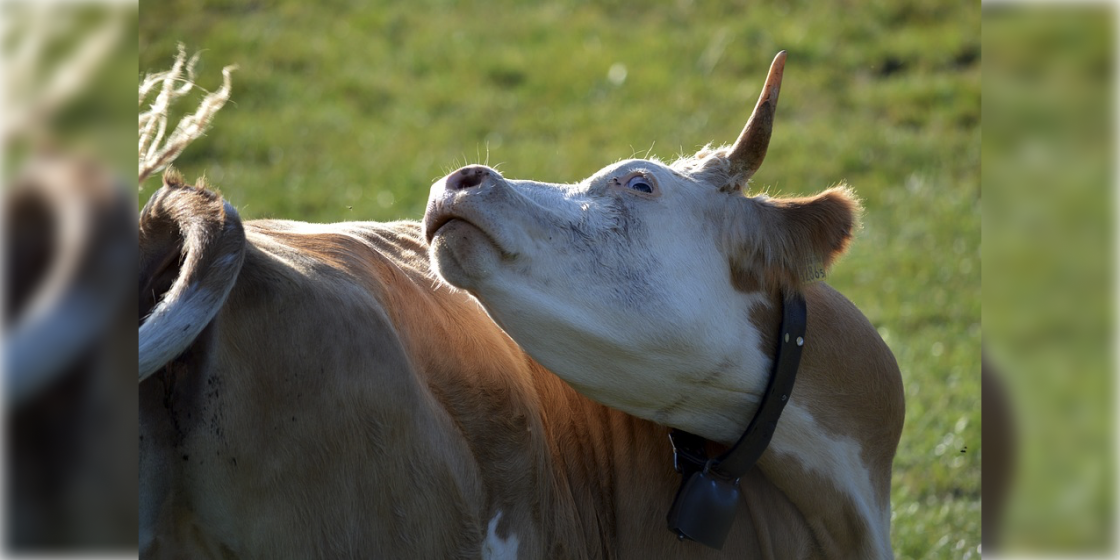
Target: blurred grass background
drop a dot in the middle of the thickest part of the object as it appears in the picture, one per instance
(1049, 154)
(95, 119)
(68, 419)
(349, 111)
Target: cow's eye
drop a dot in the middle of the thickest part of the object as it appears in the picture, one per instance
(640, 184)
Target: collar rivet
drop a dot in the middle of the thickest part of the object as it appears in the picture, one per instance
(800, 341)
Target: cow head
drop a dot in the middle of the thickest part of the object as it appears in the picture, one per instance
(637, 284)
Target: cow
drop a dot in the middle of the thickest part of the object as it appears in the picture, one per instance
(357, 390)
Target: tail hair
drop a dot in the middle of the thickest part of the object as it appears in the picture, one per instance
(192, 246)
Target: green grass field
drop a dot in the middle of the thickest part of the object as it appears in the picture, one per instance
(347, 111)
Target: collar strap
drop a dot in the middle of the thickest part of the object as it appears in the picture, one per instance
(705, 506)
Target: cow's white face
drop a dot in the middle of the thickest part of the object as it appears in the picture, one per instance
(637, 284)
(622, 292)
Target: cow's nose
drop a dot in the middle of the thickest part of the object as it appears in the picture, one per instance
(467, 177)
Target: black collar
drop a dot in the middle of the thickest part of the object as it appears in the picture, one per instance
(704, 508)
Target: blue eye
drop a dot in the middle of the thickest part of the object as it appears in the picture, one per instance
(640, 184)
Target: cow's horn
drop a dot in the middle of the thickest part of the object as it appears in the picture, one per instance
(749, 150)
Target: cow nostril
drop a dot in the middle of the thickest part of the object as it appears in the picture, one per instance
(467, 177)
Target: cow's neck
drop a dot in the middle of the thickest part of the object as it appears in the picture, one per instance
(815, 457)
(581, 451)
(580, 455)
(818, 456)
(614, 482)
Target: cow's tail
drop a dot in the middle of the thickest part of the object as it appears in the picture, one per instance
(192, 247)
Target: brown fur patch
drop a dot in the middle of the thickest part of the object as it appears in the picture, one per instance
(825, 221)
(777, 239)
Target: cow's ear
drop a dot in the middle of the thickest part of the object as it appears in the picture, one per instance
(783, 243)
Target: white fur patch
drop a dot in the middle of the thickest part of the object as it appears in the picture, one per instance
(837, 460)
(495, 547)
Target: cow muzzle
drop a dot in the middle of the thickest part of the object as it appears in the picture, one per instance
(447, 200)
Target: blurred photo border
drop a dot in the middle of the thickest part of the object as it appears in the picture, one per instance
(8, 114)
(1114, 350)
